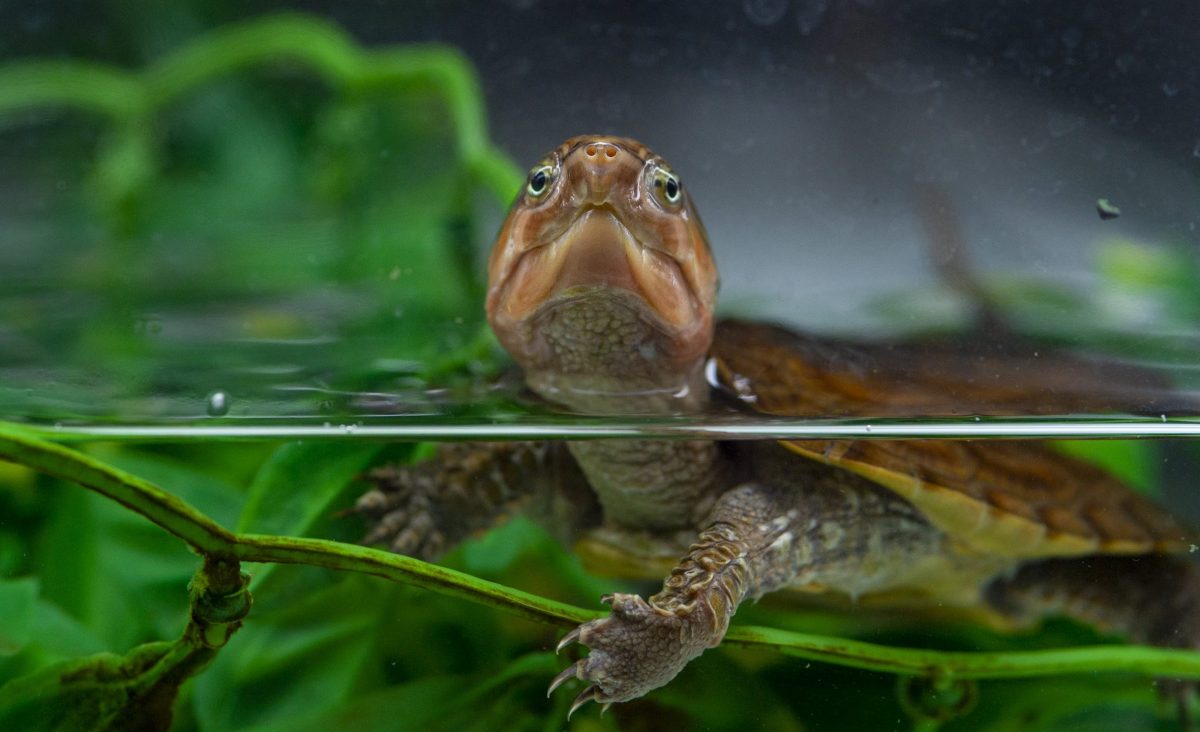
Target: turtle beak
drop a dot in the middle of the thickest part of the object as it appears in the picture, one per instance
(598, 253)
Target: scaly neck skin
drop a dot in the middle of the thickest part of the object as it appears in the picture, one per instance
(599, 355)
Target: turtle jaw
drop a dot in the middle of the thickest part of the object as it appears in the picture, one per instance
(596, 302)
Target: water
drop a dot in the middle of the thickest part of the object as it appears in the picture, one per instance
(266, 283)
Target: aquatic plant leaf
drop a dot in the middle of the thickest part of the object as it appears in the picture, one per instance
(450, 702)
(35, 633)
(306, 654)
(120, 575)
(298, 489)
(1134, 462)
(17, 601)
(421, 704)
(299, 485)
(1064, 704)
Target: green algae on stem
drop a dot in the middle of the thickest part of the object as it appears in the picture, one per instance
(136, 691)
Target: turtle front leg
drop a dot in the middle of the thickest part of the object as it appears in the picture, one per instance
(758, 538)
(643, 644)
(427, 508)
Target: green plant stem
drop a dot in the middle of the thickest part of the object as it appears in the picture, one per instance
(1163, 662)
(210, 539)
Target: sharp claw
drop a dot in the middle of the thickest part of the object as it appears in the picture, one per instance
(567, 640)
(563, 676)
(604, 708)
(606, 599)
(585, 696)
(406, 542)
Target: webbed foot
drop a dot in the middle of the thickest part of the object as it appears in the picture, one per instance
(406, 518)
(425, 509)
(636, 648)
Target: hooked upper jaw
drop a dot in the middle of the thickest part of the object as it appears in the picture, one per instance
(598, 252)
(596, 244)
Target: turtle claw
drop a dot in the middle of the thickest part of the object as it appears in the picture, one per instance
(567, 640)
(570, 672)
(636, 648)
(585, 696)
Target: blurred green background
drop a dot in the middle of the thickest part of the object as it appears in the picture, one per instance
(282, 215)
(276, 215)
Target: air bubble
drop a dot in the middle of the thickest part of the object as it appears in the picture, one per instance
(1107, 209)
(148, 324)
(218, 404)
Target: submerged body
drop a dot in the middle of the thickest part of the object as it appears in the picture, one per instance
(602, 288)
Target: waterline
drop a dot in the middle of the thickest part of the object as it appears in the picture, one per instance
(1075, 428)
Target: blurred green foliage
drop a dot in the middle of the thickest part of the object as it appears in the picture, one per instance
(287, 180)
(270, 203)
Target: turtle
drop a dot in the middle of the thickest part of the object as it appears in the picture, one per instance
(602, 288)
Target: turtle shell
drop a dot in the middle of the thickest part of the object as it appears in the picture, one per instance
(1015, 498)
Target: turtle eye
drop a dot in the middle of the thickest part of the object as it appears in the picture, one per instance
(539, 181)
(668, 187)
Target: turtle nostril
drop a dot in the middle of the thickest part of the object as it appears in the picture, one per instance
(598, 151)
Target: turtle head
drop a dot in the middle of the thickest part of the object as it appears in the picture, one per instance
(601, 279)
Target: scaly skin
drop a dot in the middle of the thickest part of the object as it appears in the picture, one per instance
(424, 510)
(602, 287)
